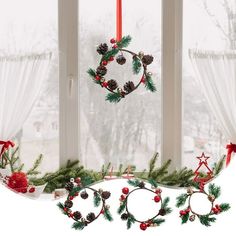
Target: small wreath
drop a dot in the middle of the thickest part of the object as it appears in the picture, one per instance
(116, 93)
(99, 197)
(126, 215)
(188, 214)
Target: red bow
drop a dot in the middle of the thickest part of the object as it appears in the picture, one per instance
(5, 146)
(231, 148)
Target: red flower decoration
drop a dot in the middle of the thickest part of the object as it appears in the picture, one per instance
(18, 181)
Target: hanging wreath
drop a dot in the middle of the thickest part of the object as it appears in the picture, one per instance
(127, 216)
(188, 214)
(76, 189)
(140, 62)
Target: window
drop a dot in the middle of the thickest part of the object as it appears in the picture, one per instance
(28, 27)
(204, 25)
(127, 132)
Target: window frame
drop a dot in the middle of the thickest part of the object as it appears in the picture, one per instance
(69, 123)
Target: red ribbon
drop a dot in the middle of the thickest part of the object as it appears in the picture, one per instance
(5, 146)
(231, 148)
(118, 20)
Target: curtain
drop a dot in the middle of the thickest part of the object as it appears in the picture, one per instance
(21, 79)
(216, 73)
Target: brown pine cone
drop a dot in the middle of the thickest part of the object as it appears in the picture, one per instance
(84, 195)
(162, 212)
(121, 60)
(101, 70)
(147, 59)
(129, 87)
(102, 48)
(91, 217)
(106, 194)
(77, 215)
(68, 204)
(69, 186)
(141, 185)
(112, 84)
(124, 216)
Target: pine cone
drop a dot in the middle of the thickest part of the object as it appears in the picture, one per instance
(106, 194)
(147, 59)
(141, 185)
(129, 87)
(91, 217)
(101, 70)
(84, 195)
(112, 84)
(124, 216)
(77, 215)
(68, 204)
(121, 60)
(69, 186)
(162, 212)
(102, 48)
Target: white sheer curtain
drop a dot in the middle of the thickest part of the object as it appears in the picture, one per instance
(21, 78)
(216, 73)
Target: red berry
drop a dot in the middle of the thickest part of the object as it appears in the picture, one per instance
(143, 226)
(143, 80)
(182, 213)
(24, 190)
(76, 194)
(32, 190)
(97, 78)
(125, 191)
(104, 84)
(158, 191)
(65, 209)
(71, 198)
(104, 63)
(102, 211)
(78, 180)
(122, 197)
(157, 198)
(188, 210)
(113, 40)
(111, 59)
(114, 46)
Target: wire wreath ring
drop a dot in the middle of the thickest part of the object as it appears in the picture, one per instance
(126, 215)
(99, 197)
(187, 214)
(116, 92)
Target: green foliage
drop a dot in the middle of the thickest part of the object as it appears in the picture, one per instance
(181, 200)
(78, 225)
(105, 169)
(134, 183)
(149, 84)
(37, 163)
(96, 199)
(206, 220)
(120, 172)
(130, 221)
(61, 207)
(219, 166)
(113, 97)
(122, 207)
(158, 221)
(158, 173)
(137, 65)
(92, 74)
(185, 218)
(152, 164)
(153, 183)
(224, 207)
(214, 190)
(125, 41)
(164, 205)
(107, 214)
(109, 54)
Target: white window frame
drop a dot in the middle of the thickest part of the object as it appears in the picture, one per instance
(171, 141)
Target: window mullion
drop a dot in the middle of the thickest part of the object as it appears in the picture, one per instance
(68, 80)
(172, 29)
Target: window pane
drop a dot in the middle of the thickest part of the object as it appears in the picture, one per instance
(27, 27)
(127, 132)
(204, 25)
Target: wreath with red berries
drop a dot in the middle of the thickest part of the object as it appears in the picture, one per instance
(127, 216)
(75, 189)
(140, 61)
(188, 214)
